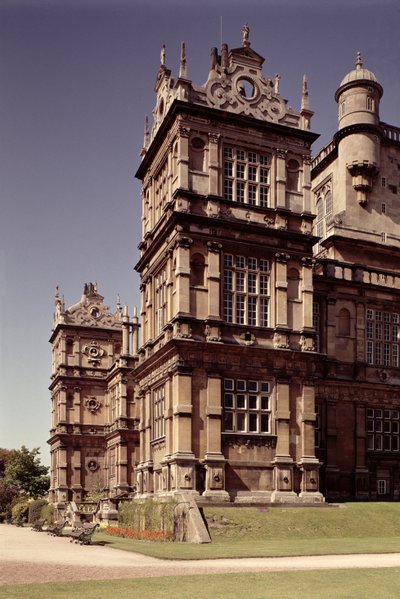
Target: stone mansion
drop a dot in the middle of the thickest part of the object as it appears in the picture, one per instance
(264, 363)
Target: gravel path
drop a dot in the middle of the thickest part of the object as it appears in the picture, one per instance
(28, 556)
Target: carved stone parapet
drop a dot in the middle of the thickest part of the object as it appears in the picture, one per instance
(280, 340)
(249, 441)
(306, 344)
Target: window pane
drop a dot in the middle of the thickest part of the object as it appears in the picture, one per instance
(264, 423)
(253, 423)
(252, 402)
(240, 421)
(240, 402)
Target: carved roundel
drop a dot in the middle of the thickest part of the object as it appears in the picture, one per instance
(93, 465)
(92, 404)
(94, 353)
(246, 88)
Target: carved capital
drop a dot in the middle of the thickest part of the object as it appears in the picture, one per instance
(214, 247)
(214, 137)
(282, 258)
(184, 242)
(183, 131)
(281, 153)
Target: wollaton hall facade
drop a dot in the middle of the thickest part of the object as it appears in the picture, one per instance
(267, 364)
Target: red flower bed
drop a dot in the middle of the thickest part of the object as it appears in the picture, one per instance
(148, 535)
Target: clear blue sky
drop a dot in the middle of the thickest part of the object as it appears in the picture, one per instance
(76, 81)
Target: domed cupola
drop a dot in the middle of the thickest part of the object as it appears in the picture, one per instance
(359, 133)
(358, 97)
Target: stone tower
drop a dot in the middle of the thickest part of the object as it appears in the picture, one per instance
(225, 378)
(355, 182)
(93, 436)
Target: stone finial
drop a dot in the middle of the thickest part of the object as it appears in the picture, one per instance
(276, 83)
(245, 32)
(162, 56)
(146, 138)
(304, 94)
(359, 63)
(183, 65)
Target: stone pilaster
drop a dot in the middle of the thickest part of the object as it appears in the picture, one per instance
(214, 460)
(283, 462)
(281, 178)
(281, 311)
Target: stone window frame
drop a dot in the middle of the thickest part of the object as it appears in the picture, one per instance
(247, 406)
(383, 430)
(382, 329)
(246, 290)
(246, 175)
(157, 413)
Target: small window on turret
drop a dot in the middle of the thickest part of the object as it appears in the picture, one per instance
(370, 103)
(383, 181)
(383, 208)
(393, 188)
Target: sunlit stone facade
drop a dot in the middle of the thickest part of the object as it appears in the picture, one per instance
(268, 363)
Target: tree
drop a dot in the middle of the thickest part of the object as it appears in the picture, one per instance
(5, 455)
(8, 494)
(23, 468)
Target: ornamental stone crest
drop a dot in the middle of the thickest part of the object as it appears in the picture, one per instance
(93, 352)
(238, 90)
(92, 404)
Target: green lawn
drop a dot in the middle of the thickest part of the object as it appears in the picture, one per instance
(253, 532)
(329, 584)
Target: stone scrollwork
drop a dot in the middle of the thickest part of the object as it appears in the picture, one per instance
(239, 91)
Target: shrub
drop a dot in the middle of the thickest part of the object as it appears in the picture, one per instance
(35, 510)
(20, 512)
(47, 512)
(147, 515)
(148, 535)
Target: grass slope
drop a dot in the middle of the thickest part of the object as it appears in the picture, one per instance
(329, 584)
(254, 532)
